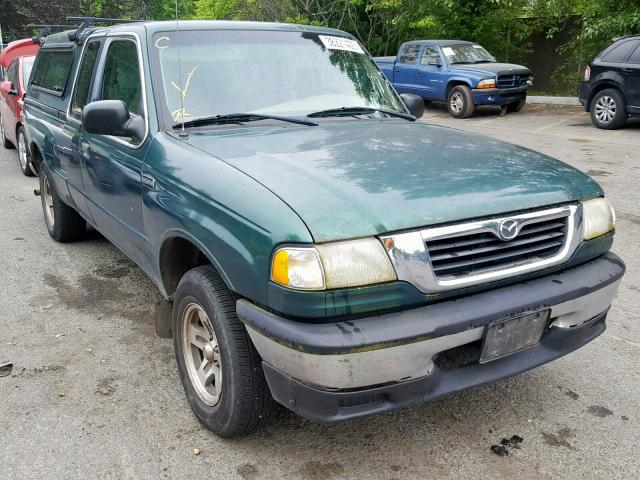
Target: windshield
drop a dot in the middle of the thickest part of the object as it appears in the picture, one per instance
(264, 72)
(466, 53)
(27, 66)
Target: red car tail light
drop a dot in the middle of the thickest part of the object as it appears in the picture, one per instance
(587, 73)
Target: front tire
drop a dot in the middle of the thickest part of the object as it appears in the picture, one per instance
(608, 109)
(23, 154)
(63, 222)
(517, 106)
(220, 369)
(460, 102)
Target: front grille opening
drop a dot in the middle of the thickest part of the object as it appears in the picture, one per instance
(474, 253)
(458, 357)
(507, 81)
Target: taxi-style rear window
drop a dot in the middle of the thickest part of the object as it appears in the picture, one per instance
(51, 70)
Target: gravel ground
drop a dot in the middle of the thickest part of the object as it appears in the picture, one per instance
(95, 394)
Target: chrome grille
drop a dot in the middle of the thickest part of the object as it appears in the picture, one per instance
(507, 81)
(476, 252)
(468, 254)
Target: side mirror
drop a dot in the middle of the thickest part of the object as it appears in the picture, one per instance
(435, 61)
(414, 103)
(111, 117)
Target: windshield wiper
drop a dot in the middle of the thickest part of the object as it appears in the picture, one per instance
(239, 118)
(347, 111)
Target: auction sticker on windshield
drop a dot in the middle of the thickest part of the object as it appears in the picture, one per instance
(341, 43)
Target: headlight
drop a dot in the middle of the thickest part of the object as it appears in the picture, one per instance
(487, 83)
(598, 217)
(344, 264)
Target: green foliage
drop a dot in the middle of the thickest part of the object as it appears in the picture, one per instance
(505, 27)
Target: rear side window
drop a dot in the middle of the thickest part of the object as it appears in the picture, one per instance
(620, 52)
(410, 54)
(83, 81)
(52, 70)
(122, 75)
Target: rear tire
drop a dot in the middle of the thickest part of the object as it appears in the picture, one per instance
(5, 143)
(220, 369)
(517, 106)
(608, 109)
(460, 102)
(63, 222)
(24, 158)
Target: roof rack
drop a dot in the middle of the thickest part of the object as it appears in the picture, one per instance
(89, 21)
(46, 29)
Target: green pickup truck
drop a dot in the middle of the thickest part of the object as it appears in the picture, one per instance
(321, 248)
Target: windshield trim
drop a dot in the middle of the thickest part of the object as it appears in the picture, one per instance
(166, 123)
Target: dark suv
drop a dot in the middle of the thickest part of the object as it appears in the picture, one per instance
(611, 87)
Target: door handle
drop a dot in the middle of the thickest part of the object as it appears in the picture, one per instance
(627, 70)
(148, 181)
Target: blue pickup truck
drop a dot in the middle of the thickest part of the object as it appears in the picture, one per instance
(461, 73)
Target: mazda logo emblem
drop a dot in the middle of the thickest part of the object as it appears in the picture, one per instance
(509, 229)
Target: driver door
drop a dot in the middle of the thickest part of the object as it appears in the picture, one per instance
(431, 74)
(112, 166)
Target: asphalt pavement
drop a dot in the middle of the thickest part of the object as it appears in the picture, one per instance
(95, 394)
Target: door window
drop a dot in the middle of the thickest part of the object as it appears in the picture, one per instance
(83, 81)
(12, 74)
(27, 65)
(410, 54)
(430, 54)
(635, 56)
(122, 76)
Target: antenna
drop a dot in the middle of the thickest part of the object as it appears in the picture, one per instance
(182, 132)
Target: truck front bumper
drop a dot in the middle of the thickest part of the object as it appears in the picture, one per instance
(498, 96)
(335, 371)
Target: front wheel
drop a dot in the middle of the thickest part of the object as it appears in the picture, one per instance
(220, 369)
(63, 222)
(23, 154)
(517, 106)
(460, 102)
(608, 109)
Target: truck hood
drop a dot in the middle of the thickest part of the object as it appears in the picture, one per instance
(492, 68)
(358, 178)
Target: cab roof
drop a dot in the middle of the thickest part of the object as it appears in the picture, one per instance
(441, 43)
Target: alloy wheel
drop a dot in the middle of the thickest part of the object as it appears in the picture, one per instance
(22, 152)
(202, 354)
(605, 109)
(457, 102)
(47, 203)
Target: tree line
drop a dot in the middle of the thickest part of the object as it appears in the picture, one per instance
(507, 28)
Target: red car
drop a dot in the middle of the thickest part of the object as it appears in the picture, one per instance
(16, 61)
